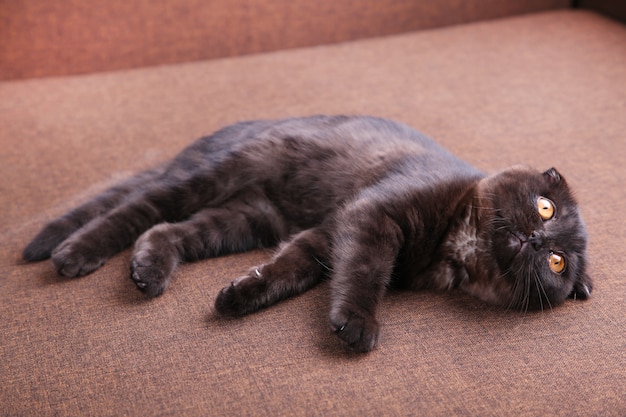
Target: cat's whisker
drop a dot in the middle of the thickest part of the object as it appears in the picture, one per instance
(480, 207)
(526, 291)
(543, 291)
(515, 298)
(539, 294)
(519, 292)
(322, 264)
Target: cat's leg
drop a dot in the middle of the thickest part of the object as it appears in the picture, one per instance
(91, 246)
(297, 266)
(60, 229)
(365, 247)
(241, 225)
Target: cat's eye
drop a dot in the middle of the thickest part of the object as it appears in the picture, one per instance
(556, 262)
(546, 208)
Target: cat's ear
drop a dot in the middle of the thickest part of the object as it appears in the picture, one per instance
(582, 287)
(552, 176)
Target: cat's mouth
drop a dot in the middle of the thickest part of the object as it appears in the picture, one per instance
(517, 242)
(509, 246)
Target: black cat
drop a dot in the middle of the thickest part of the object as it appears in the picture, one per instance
(367, 202)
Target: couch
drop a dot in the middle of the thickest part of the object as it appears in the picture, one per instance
(91, 92)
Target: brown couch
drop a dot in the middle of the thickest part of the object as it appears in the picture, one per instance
(92, 91)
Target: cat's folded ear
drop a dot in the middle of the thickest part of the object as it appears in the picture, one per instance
(552, 176)
(582, 288)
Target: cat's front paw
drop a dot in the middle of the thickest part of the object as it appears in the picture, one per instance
(73, 259)
(243, 296)
(358, 331)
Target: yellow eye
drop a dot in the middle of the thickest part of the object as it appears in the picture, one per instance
(545, 208)
(556, 262)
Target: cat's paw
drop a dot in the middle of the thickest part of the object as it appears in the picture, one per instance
(73, 259)
(47, 240)
(358, 331)
(151, 272)
(243, 296)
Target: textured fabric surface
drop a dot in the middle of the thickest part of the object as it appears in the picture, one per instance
(58, 37)
(546, 89)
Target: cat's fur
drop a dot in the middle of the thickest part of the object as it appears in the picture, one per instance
(367, 202)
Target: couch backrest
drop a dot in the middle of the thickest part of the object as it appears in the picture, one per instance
(612, 8)
(60, 37)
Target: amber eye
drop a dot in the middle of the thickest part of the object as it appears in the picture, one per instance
(545, 208)
(556, 262)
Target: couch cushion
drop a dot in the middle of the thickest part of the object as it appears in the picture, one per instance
(544, 89)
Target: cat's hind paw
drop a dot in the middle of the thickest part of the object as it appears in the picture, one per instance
(151, 273)
(243, 296)
(42, 245)
(358, 332)
(37, 250)
(72, 260)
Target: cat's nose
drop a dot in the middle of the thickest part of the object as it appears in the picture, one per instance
(536, 240)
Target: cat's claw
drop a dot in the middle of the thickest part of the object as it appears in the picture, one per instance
(139, 284)
(358, 332)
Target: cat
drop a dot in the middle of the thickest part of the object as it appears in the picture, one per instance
(368, 203)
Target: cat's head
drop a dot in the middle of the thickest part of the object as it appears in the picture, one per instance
(537, 238)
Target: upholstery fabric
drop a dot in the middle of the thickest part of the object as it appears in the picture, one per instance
(545, 89)
(59, 37)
